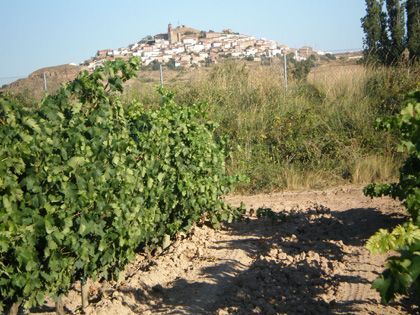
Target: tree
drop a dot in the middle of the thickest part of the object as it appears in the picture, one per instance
(395, 45)
(384, 41)
(171, 64)
(146, 39)
(330, 56)
(372, 25)
(386, 33)
(413, 28)
(155, 65)
(301, 69)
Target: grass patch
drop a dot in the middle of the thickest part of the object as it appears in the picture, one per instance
(318, 133)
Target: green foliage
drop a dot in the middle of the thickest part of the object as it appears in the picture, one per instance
(396, 29)
(154, 66)
(146, 39)
(202, 34)
(399, 238)
(171, 64)
(301, 69)
(330, 56)
(385, 31)
(413, 28)
(86, 180)
(265, 60)
(313, 135)
(402, 271)
(271, 215)
(372, 27)
(387, 89)
(178, 146)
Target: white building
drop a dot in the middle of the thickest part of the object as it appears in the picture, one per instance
(227, 45)
(189, 41)
(153, 53)
(178, 50)
(195, 48)
(276, 52)
(250, 52)
(166, 58)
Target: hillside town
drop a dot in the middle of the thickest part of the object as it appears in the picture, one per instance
(184, 46)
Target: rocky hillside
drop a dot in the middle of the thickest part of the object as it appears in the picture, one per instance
(33, 85)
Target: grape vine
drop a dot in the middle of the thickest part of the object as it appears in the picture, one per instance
(86, 180)
(402, 272)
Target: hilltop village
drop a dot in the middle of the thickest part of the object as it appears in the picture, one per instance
(184, 46)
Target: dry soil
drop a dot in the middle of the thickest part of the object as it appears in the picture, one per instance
(312, 260)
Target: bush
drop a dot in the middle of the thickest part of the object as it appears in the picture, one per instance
(330, 56)
(387, 87)
(301, 69)
(171, 64)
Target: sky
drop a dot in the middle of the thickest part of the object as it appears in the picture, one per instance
(41, 33)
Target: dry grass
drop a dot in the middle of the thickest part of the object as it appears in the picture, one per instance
(316, 134)
(307, 179)
(374, 168)
(337, 80)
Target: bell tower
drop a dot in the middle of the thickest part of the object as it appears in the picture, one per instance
(170, 34)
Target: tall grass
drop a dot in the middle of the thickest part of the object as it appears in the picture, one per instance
(318, 133)
(339, 80)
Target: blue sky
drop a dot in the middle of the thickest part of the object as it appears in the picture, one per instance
(41, 33)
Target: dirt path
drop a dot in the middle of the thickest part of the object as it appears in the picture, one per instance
(313, 262)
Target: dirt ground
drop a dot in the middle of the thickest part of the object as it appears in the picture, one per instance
(311, 261)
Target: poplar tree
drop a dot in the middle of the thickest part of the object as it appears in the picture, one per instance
(396, 27)
(413, 28)
(384, 42)
(372, 27)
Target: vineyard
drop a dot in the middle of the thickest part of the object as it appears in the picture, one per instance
(96, 185)
(86, 181)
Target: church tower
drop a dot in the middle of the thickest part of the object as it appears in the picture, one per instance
(170, 34)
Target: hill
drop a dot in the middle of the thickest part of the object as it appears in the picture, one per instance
(180, 47)
(33, 85)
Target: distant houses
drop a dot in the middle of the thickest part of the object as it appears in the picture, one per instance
(189, 47)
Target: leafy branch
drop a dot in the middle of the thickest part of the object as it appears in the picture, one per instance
(402, 271)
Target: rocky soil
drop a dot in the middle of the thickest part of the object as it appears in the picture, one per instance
(306, 258)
